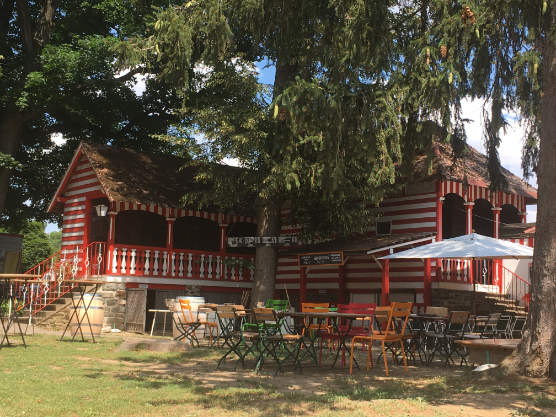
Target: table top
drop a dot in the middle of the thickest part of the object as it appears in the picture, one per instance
(155, 310)
(503, 344)
(20, 277)
(328, 315)
(427, 317)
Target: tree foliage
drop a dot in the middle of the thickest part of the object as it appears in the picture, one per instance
(58, 77)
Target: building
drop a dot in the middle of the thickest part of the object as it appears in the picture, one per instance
(123, 219)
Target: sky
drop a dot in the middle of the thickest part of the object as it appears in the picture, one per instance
(509, 151)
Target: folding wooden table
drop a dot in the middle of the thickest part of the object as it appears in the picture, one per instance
(9, 296)
(81, 286)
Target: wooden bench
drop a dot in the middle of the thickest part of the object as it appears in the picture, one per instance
(482, 351)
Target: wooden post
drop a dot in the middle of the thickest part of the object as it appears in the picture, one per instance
(223, 237)
(341, 285)
(302, 285)
(439, 200)
(469, 217)
(385, 284)
(170, 234)
(111, 240)
(427, 283)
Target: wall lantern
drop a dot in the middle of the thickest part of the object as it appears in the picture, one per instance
(101, 210)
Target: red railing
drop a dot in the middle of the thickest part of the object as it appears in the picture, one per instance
(134, 260)
(468, 271)
(53, 274)
(516, 288)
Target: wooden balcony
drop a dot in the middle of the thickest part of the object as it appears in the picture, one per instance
(145, 261)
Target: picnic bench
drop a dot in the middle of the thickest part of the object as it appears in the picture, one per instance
(482, 351)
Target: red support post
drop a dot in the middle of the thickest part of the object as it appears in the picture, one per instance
(385, 284)
(302, 285)
(111, 239)
(86, 228)
(439, 200)
(523, 217)
(170, 234)
(427, 283)
(223, 237)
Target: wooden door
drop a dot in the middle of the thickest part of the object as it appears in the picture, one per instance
(135, 310)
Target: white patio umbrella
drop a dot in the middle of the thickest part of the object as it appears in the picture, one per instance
(471, 246)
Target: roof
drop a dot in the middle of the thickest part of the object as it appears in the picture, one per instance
(362, 245)
(517, 230)
(132, 176)
(471, 168)
(471, 246)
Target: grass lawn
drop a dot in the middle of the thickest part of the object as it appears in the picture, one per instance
(52, 378)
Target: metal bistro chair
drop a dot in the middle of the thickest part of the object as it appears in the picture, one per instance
(444, 342)
(239, 342)
(188, 326)
(391, 324)
(518, 327)
(280, 346)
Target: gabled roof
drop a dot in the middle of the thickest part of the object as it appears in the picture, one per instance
(131, 176)
(470, 169)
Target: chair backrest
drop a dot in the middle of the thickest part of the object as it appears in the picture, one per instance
(397, 316)
(357, 308)
(315, 307)
(278, 305)
(437, 311)
(186, 311)
(457, 322)
(264, 314)
(225, 312)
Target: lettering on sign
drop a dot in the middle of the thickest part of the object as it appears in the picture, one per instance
(321, 258)
(252, 241)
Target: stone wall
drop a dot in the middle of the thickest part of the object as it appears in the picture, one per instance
(463, 301)
(114, 296)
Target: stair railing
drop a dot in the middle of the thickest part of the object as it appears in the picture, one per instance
(516, 288)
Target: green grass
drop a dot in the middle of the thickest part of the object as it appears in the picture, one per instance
(52, 378)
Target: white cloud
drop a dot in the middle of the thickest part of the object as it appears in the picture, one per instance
(511, 144)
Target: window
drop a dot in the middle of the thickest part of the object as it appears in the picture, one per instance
(383, 227)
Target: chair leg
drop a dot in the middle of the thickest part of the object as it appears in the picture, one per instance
(385, 360)
(403, 356)
(351, 356)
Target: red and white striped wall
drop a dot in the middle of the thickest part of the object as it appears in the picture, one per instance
(165, 211)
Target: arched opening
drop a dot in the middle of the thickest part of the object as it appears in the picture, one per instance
(140, 228)
(197, 234)
(509, 214)
(483, 218)
(241, 229)
(453, 216)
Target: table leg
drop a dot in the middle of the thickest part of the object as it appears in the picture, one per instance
(164, 328)
(152, 325)
(86, 312)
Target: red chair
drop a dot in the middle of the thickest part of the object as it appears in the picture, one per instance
(347, 330)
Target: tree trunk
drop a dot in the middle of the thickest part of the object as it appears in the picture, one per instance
(537, 351)
(268, 224)
(11, 135)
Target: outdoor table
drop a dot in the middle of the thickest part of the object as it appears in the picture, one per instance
(156, 311)
(8, 295)
(81, 285)
(334, 317)
(483, 351)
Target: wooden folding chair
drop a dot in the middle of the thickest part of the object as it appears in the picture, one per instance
(187, 325)
(390, 322)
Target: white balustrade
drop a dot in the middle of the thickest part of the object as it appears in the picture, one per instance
(115, 261)
(132, 263)
(202, 267)
(173, 263)
(124, 263)
(164, 263)
(180, 269)
(147, 259)
(209, 275)
(218, 267)
(155, 264)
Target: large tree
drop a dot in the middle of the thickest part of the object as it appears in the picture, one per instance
(326, 138)
(57, 75)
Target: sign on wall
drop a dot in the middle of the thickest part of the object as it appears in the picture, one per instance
(321, 258)
(252, 241)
